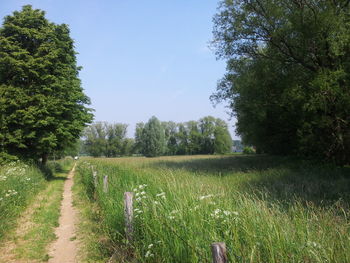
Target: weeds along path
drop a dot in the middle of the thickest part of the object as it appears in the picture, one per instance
(64, 249)
(35, 227)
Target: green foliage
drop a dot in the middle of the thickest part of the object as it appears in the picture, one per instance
(104, 139)
(248, 150)
(222, 138)
(265, 209)
(153, 138)
(18, 183)
(288, 75)
(206, 136)
(42, 104)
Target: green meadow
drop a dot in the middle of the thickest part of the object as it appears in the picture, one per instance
(266, 209)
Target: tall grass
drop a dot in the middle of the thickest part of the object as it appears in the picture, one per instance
(265, 209)
(19, 182)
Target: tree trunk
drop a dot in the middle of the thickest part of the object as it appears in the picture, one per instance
(44, 158)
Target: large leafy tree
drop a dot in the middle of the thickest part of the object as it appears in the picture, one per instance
(153, 138)
(43, 106)
(288, 74)
(222, 138)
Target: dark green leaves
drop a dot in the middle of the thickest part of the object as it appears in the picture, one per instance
(288, 74)
(43, 105)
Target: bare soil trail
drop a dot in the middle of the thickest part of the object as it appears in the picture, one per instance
(64, 249)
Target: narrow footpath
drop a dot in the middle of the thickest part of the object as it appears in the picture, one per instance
(64, 249)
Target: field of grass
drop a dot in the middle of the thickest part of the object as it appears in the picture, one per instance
(266, 209)
(19, 183)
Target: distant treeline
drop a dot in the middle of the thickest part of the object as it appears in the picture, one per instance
(208, 135)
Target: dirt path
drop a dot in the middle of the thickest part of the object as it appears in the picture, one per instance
(64, 249)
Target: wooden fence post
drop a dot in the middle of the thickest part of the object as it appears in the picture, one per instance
(218, 250)
(128, 214)
(105, 183)
(94, 175)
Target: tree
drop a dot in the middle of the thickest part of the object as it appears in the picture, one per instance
(170, 130)
(42, 105)
(116, 135)
(105, 139)
(95, 139)
(182, 139)
(222, 138)
(288, 74)
(138, 137)
(207, 128)
(195, 137)
(128, 146)
(153, 138)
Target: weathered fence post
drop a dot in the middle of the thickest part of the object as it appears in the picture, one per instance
(128, 214)
(94, 175)
(218, 251)
(105, 183)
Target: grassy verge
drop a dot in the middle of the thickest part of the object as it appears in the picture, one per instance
(265, 209)
(94, 245)
(18, 184)
(35, 227)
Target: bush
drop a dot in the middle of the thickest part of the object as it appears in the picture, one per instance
(248, 150)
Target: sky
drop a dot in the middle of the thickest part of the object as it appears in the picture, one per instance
(141, 58)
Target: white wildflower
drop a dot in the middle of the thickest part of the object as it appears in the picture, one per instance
(142, 186)
(205, 196)
(217, 211)
(150, 246)
(160, 194)
(149, 254)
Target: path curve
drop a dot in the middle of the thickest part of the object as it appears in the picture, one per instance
(64, 249)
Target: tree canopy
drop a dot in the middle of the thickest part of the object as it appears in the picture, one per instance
(42, 104)
(105, 139)
(287, 77)
(153, 138)
(209, 135)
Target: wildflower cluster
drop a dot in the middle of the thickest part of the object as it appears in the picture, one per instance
(3, 178)
(172, 214)
(137, 212)
(149, 252)
(15, 168)
(225, 215)
(10, 193)
(139, 192)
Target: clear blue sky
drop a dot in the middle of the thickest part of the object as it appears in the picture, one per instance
(141, 58)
